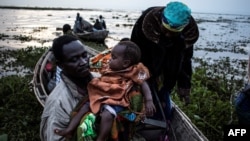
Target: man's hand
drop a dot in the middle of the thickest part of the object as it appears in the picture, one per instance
(184, 95)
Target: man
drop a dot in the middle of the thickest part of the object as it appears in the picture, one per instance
(67, 30)
(72, 58)
(102, 21)
(166, 36)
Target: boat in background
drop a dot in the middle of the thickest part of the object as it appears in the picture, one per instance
(181, 127)
(98, 36)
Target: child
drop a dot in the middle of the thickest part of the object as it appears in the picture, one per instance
(111, 93)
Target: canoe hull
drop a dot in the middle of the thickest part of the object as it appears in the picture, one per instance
(96, 36)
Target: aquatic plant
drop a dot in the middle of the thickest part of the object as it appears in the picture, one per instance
(214, 86)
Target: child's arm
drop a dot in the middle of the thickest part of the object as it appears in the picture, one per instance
(149, 104)
(74, 122)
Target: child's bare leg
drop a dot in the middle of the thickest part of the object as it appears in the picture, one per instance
(105, 125)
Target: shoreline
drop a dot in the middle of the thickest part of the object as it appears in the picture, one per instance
(57, 8)
(44, 8)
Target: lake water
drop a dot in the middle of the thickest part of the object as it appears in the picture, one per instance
(220, 35)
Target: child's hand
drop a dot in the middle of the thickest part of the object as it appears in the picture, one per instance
(150, 108)
(63, 133)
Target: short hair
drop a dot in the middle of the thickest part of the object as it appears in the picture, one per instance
(66, 27)
(58, 43)
(125, 39)
(132, 51)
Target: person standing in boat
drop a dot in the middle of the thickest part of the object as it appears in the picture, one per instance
(78, 16)
(166, 36)
(102, 21)
(81, 25)
(78, 24)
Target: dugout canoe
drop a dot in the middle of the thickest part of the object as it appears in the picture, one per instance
(98, 36)
(181, 127)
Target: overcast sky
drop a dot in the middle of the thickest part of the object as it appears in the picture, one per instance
(207, 6)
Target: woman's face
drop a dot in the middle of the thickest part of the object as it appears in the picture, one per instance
(76, 60)
(168, 33)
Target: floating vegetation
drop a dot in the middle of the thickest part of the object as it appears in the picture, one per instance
(22, 37)
(125, 25)
(22, 61)
(2, 35)
(39, 29)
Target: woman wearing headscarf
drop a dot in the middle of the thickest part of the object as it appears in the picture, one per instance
(166, 36)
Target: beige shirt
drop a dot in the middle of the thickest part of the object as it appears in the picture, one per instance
(57, 111)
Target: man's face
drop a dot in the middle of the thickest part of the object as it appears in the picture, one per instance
(76, 61)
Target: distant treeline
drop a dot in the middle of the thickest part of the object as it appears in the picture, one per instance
(47, 8)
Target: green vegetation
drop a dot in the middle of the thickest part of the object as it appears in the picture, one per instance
(214, 86)
(213, 90)
(20, 110)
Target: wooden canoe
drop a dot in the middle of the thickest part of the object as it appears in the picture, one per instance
(181, 127)
(95, 36)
